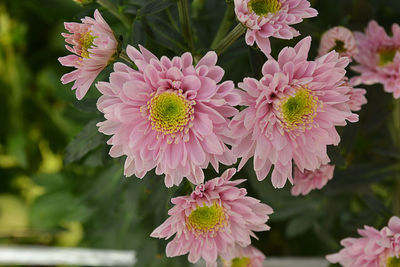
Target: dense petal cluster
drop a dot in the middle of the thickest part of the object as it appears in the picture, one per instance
(271, 18)
(168, 115)
(373, 249)
(93, 47)
(292, 112)
(304, 182)
(243, 257)
(214, 218)
(379, 58)
(339, 39)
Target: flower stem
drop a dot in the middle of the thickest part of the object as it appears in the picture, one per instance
(224, 26)
(184, 19)
(124, 56)
(395, 132)
(113, 9)
(230, 38)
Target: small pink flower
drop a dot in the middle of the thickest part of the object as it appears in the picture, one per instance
(373, 249)
(168, 115)
(378, 58)
(292, 112)
(266, 18)
(243, 256)
(215, 217)
(93, 47)
(339, 39)
(304, 182)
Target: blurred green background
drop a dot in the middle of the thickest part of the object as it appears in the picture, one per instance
(59, 187)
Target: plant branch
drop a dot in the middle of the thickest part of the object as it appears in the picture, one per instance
(110, 6)
(230, 38)
(184, 19)
(224, 26)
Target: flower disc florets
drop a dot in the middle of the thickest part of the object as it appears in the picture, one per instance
(264, 7)
(292, 112)
(169, 115)
(271, 18)
(378, 58)
(298, 111)
(206, 220)
(93, 45)
(215, 219)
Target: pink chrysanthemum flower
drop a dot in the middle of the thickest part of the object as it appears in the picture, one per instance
(304, 182)
(373, 249)
(379, 58)
(215, 217)
(339, 39)
(168, 115)
(93, 47)
(292, 113)
(243, 257)
(266, 18)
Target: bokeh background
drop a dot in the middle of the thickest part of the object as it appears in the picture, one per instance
(59, 187)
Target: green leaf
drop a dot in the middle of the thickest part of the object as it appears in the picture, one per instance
(52, 209)
(87, 140)
(155, 6)
(299, 226)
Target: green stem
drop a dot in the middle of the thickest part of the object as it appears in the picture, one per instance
(224, 26)
(124, 56)
(110, 6)
(230, 38)
(395, 132)
(184, 19)
(172, 20)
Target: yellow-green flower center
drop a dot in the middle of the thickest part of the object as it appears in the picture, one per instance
(393, 262)
(169, 112)
(206, 219)
(264, 7)
(241, 262)
(86, 42)
(339, 46)
(386, 56)
(299, 111)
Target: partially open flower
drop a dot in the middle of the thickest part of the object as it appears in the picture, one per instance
(373, 249)
(304, 182)
(168, 115)
(378, 58)
(215, 217)
(271, 18)
(93, 47)
(239, 256)
(292, 112)
(339, 39)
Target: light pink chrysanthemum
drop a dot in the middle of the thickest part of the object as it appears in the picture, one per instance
(379, 58)
(215, 217)
(93, 47)
(292, 113)
(373, 249)
(243, 256)
(339, 39)
(304, 182)
(168, 115)
(266, 18)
